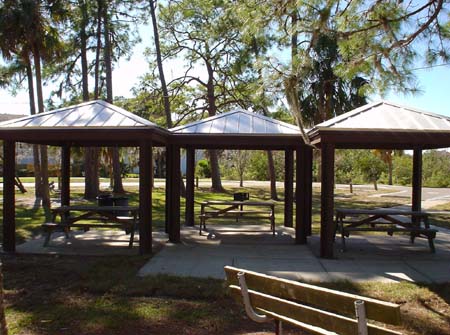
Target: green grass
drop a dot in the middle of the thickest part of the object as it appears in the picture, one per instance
(92, 295)
(102, 295)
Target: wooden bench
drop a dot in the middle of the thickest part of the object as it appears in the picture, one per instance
(314, 309)
(235, 209)
(384, 220)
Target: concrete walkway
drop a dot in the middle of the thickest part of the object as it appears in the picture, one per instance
(368, 258)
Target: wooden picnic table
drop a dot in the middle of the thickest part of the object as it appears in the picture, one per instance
(384, 220)
(236, 209)
(124, 217)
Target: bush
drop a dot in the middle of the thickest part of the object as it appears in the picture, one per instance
(402, 170)
(203, 169)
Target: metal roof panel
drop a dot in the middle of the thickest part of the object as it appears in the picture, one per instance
(387, 116)
(89, 114)
(238, 122)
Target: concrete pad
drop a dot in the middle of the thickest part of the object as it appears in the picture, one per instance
(91, 243)
(436, 271)
(285, 268)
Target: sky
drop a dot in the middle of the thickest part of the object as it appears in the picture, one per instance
(434, 84)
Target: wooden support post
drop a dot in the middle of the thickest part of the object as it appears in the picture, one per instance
(9, 213)
(190, 181)
(288, 187)
(300, 224)
(65, 175)
(417, 180)
(174, 215)
(145, 197)
(168, 187)
(327, 202)
(308, 189)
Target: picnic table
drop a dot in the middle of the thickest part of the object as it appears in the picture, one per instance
(237, 210)
(124, 217)
(384, 220)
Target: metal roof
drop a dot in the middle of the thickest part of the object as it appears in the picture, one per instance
(237, 122)
(95, 114)
(385, 115)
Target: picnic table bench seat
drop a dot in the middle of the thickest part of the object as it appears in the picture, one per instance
(235, 209)
(384, 220)
(314, 309)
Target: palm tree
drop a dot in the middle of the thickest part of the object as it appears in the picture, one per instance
(26, 30)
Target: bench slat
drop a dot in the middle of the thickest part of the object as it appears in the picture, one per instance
(317, 296)
(305, 314)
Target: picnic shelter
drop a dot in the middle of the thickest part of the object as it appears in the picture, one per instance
(378, 125)
(91, 124)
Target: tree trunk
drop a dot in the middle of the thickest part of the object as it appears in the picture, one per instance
(91, 165)
(91, 155)
(3, 325)
(216, 182)
(117, 173)
(98, 50)
(107, 52)
(212, 109)
(36, 161)
(160, 66)
(83, 42)
(44, 156)
(273, 176)
(390, 168)
(117, 187)
(44, 172)
(351, 187)
(375, 185)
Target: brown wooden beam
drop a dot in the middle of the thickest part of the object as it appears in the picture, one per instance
(190, 180)
(327, 202)
(288, 187)
(174, 223)
(308, 189)
(9, 213)
(300, 224)
(417, 180)
(65, 175)
(145, 197)
(168, 187)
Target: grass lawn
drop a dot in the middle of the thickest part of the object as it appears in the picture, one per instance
(102, 295)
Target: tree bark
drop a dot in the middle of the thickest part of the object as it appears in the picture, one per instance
(216, 182)
(98, 50)
(390, 168)
(44, 156)
(91, 165)
(160, 66)
(117, 173)
(91, 155)
(273, 176)
(36, 161)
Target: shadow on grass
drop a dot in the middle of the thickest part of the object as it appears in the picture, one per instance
(89, 295)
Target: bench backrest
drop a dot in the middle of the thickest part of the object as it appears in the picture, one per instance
(307, 305)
